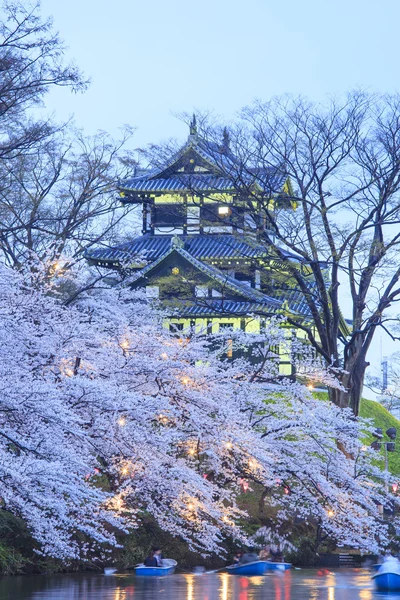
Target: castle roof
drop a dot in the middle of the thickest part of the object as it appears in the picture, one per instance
(202, 165)
(151, 247)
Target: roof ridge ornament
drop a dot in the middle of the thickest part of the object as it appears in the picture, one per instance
(226, 141)
(193, 125)
(177, 242)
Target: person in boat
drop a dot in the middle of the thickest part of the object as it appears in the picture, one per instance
(276, 554)
(249, 556)
(237, 557)
(264, 553)
(154, 559)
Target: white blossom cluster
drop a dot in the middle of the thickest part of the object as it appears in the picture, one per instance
(105, 416)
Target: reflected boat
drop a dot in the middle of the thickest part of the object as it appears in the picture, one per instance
(277, 566)
(248, 569)
(167, 568)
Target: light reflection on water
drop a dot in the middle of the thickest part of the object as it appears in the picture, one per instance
(290, 585)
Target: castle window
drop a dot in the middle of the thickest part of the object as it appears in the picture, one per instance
(224, 211)
(174, 327)
(224, 326)
(169, 215)
(193, 217)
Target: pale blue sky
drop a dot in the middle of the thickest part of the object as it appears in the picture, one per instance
(150, 59)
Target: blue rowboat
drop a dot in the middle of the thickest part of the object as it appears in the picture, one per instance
(387, 578)
(167, 568)
(248, 569)
(277, 566)
(387, 582)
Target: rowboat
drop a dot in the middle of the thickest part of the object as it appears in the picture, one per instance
(277, 566)
(387, 582)
(167, 568)
(248, 569)
(387, 578)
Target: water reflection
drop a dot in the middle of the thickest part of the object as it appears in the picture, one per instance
(120, 594)
(330, 582)
(295, 585)
(224, 586)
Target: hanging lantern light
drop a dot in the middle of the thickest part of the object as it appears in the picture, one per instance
(244, 484)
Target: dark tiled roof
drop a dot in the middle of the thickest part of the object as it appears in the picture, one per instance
(224, 280)
(222, 307)
(227, 173)
(149, 248)
(179, 182)
(295, 301)
(271, 182)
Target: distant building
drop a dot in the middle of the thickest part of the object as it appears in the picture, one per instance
(200, 253)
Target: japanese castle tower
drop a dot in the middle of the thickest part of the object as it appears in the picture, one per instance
(199, 252)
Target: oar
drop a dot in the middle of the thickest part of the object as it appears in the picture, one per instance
(215, 571)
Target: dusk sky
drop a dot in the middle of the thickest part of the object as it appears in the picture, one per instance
(150, 59)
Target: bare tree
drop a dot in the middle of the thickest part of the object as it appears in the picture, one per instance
(31, 62)
(61, 199)
(57, 188)
(339, 214)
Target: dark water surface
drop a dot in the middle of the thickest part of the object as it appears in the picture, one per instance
(307, 584)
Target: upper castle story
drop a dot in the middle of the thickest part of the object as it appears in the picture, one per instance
(204, 189)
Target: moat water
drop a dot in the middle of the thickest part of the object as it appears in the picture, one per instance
(307, 584)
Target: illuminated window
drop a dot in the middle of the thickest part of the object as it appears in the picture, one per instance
(224, 211)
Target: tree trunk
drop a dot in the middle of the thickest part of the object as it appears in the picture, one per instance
(353, 382)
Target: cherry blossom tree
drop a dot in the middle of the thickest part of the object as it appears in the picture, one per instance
(98, 391)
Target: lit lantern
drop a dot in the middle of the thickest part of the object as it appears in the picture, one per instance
(245, 484)
(395, 487)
